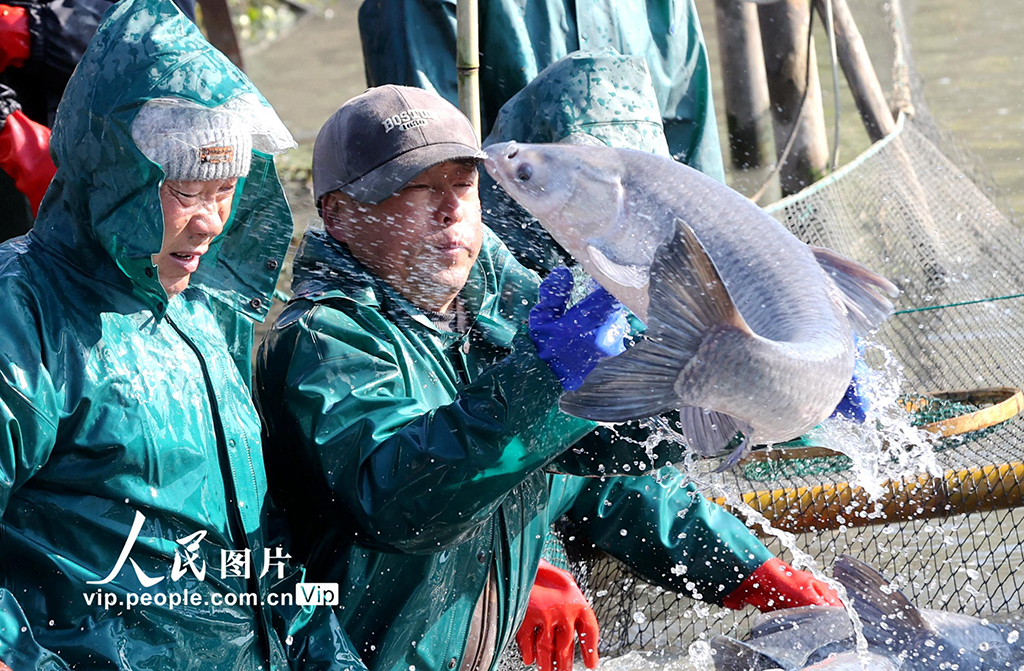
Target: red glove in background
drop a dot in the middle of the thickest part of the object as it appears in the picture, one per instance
(556, 613)
(14, 37)
(25, 156)
(777, 585)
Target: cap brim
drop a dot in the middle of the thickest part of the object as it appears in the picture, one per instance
(386, 180)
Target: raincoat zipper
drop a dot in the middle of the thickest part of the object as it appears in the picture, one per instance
(235, 517)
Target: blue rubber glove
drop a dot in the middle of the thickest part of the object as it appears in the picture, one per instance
(572, 341)
(855, 402)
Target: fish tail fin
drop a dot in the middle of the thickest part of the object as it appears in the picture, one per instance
(888, 616)
(866, 294)
(687, 299)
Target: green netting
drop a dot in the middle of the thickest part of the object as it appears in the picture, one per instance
(917, 209)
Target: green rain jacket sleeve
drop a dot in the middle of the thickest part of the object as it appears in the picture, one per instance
(662, 528)
(28, 428)
(404, 476)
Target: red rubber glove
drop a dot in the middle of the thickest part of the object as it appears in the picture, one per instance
(777, 585)
(14, 37)
(25, 156)
(556, 614)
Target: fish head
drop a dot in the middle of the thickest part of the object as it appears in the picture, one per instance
(575, 192)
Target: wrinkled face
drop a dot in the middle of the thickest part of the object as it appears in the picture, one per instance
(423, 240)
(194, 214)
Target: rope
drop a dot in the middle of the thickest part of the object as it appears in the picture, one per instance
(956, 305)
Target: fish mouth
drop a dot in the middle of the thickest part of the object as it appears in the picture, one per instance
(498, 161)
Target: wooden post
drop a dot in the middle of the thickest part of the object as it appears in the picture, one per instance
(467, 61)
(220, 31)
(787, 58)
(856, 64)
(744, 83)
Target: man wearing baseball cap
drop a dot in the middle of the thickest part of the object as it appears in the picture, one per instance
(410, 393)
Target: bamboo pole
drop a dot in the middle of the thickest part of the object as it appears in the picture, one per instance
(744, 83)
(791, 66)
(856, 64)
(467, 61)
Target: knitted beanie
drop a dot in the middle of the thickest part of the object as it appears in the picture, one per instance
(191, 142)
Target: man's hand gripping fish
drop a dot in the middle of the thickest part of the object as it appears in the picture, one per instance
(748, 329)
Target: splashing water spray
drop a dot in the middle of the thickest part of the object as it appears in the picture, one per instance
(884, 447)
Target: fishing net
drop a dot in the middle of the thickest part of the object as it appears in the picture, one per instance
(918, 209)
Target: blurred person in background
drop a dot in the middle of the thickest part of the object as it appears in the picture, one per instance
(412, 42)
(41, 42)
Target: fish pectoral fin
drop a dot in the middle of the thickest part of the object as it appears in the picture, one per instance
(636, 277)
(638, 383)
(866, 294)
(888, 616)
(687, 294)
(708, 433)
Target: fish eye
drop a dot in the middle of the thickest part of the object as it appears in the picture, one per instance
(524, 172)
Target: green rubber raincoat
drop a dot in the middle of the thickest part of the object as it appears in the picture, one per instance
(124, 414)
(412, 42)
(411, 462)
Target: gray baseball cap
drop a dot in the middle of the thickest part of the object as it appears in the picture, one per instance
(378, 141)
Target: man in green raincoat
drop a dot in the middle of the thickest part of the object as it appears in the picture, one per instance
(412, 42)
(414, 436)
(132, 487)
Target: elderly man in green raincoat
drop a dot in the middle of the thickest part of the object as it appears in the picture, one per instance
(414, 438)
(132, 487)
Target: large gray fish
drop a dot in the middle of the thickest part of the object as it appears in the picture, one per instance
(748, 328)
(900, 636)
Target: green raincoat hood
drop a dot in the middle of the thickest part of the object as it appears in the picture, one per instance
(104, 202)
(598, 97)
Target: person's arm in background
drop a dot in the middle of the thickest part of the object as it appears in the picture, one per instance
(24, 150)
(677, 539)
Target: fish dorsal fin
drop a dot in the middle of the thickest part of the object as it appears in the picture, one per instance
(865, 293)
(687, 299)
(626, 275)
(889, 618)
